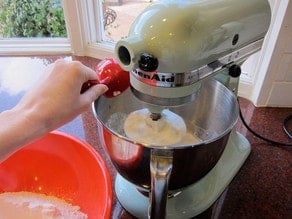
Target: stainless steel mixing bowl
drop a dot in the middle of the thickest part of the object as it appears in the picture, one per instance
(211, 116)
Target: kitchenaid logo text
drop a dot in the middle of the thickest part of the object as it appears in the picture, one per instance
(154, 76)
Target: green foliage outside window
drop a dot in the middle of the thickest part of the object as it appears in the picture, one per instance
(32, 18)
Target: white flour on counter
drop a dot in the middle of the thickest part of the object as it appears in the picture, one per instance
(28, 205)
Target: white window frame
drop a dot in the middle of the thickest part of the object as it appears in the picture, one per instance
(35, 46)
(83, 28)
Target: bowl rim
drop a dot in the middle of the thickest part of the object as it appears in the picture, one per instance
(101, 165)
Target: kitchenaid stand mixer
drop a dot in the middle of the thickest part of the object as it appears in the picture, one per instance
(184, 58)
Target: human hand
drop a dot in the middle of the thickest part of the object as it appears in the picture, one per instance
(56, 99)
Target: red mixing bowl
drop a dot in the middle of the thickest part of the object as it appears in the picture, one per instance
(62, 166)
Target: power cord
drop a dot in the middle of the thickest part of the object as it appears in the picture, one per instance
(285, 127)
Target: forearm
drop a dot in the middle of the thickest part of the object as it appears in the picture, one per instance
(18, 127)
(51, 103)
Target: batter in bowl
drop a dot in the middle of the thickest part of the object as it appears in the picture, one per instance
(170, 129)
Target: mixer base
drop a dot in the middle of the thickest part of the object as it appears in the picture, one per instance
(195, 198)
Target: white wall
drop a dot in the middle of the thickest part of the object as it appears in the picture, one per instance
(268, 81)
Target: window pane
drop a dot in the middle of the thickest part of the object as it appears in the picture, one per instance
(119, 15)
(31, 18)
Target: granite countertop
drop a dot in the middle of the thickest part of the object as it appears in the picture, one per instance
(261, 188)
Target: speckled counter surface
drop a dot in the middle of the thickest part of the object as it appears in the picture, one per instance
(261, 189)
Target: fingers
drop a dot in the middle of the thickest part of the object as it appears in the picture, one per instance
(93, 93)
(88, 73)
(84, 74)
(77, 68)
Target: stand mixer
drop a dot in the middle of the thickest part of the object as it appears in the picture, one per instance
(184, 59)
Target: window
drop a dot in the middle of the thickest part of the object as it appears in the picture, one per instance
(119, 15)
(95, 25)
(32, 18)
(32, 26)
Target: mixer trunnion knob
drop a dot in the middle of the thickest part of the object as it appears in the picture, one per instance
(148, 62)
(234, 71)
